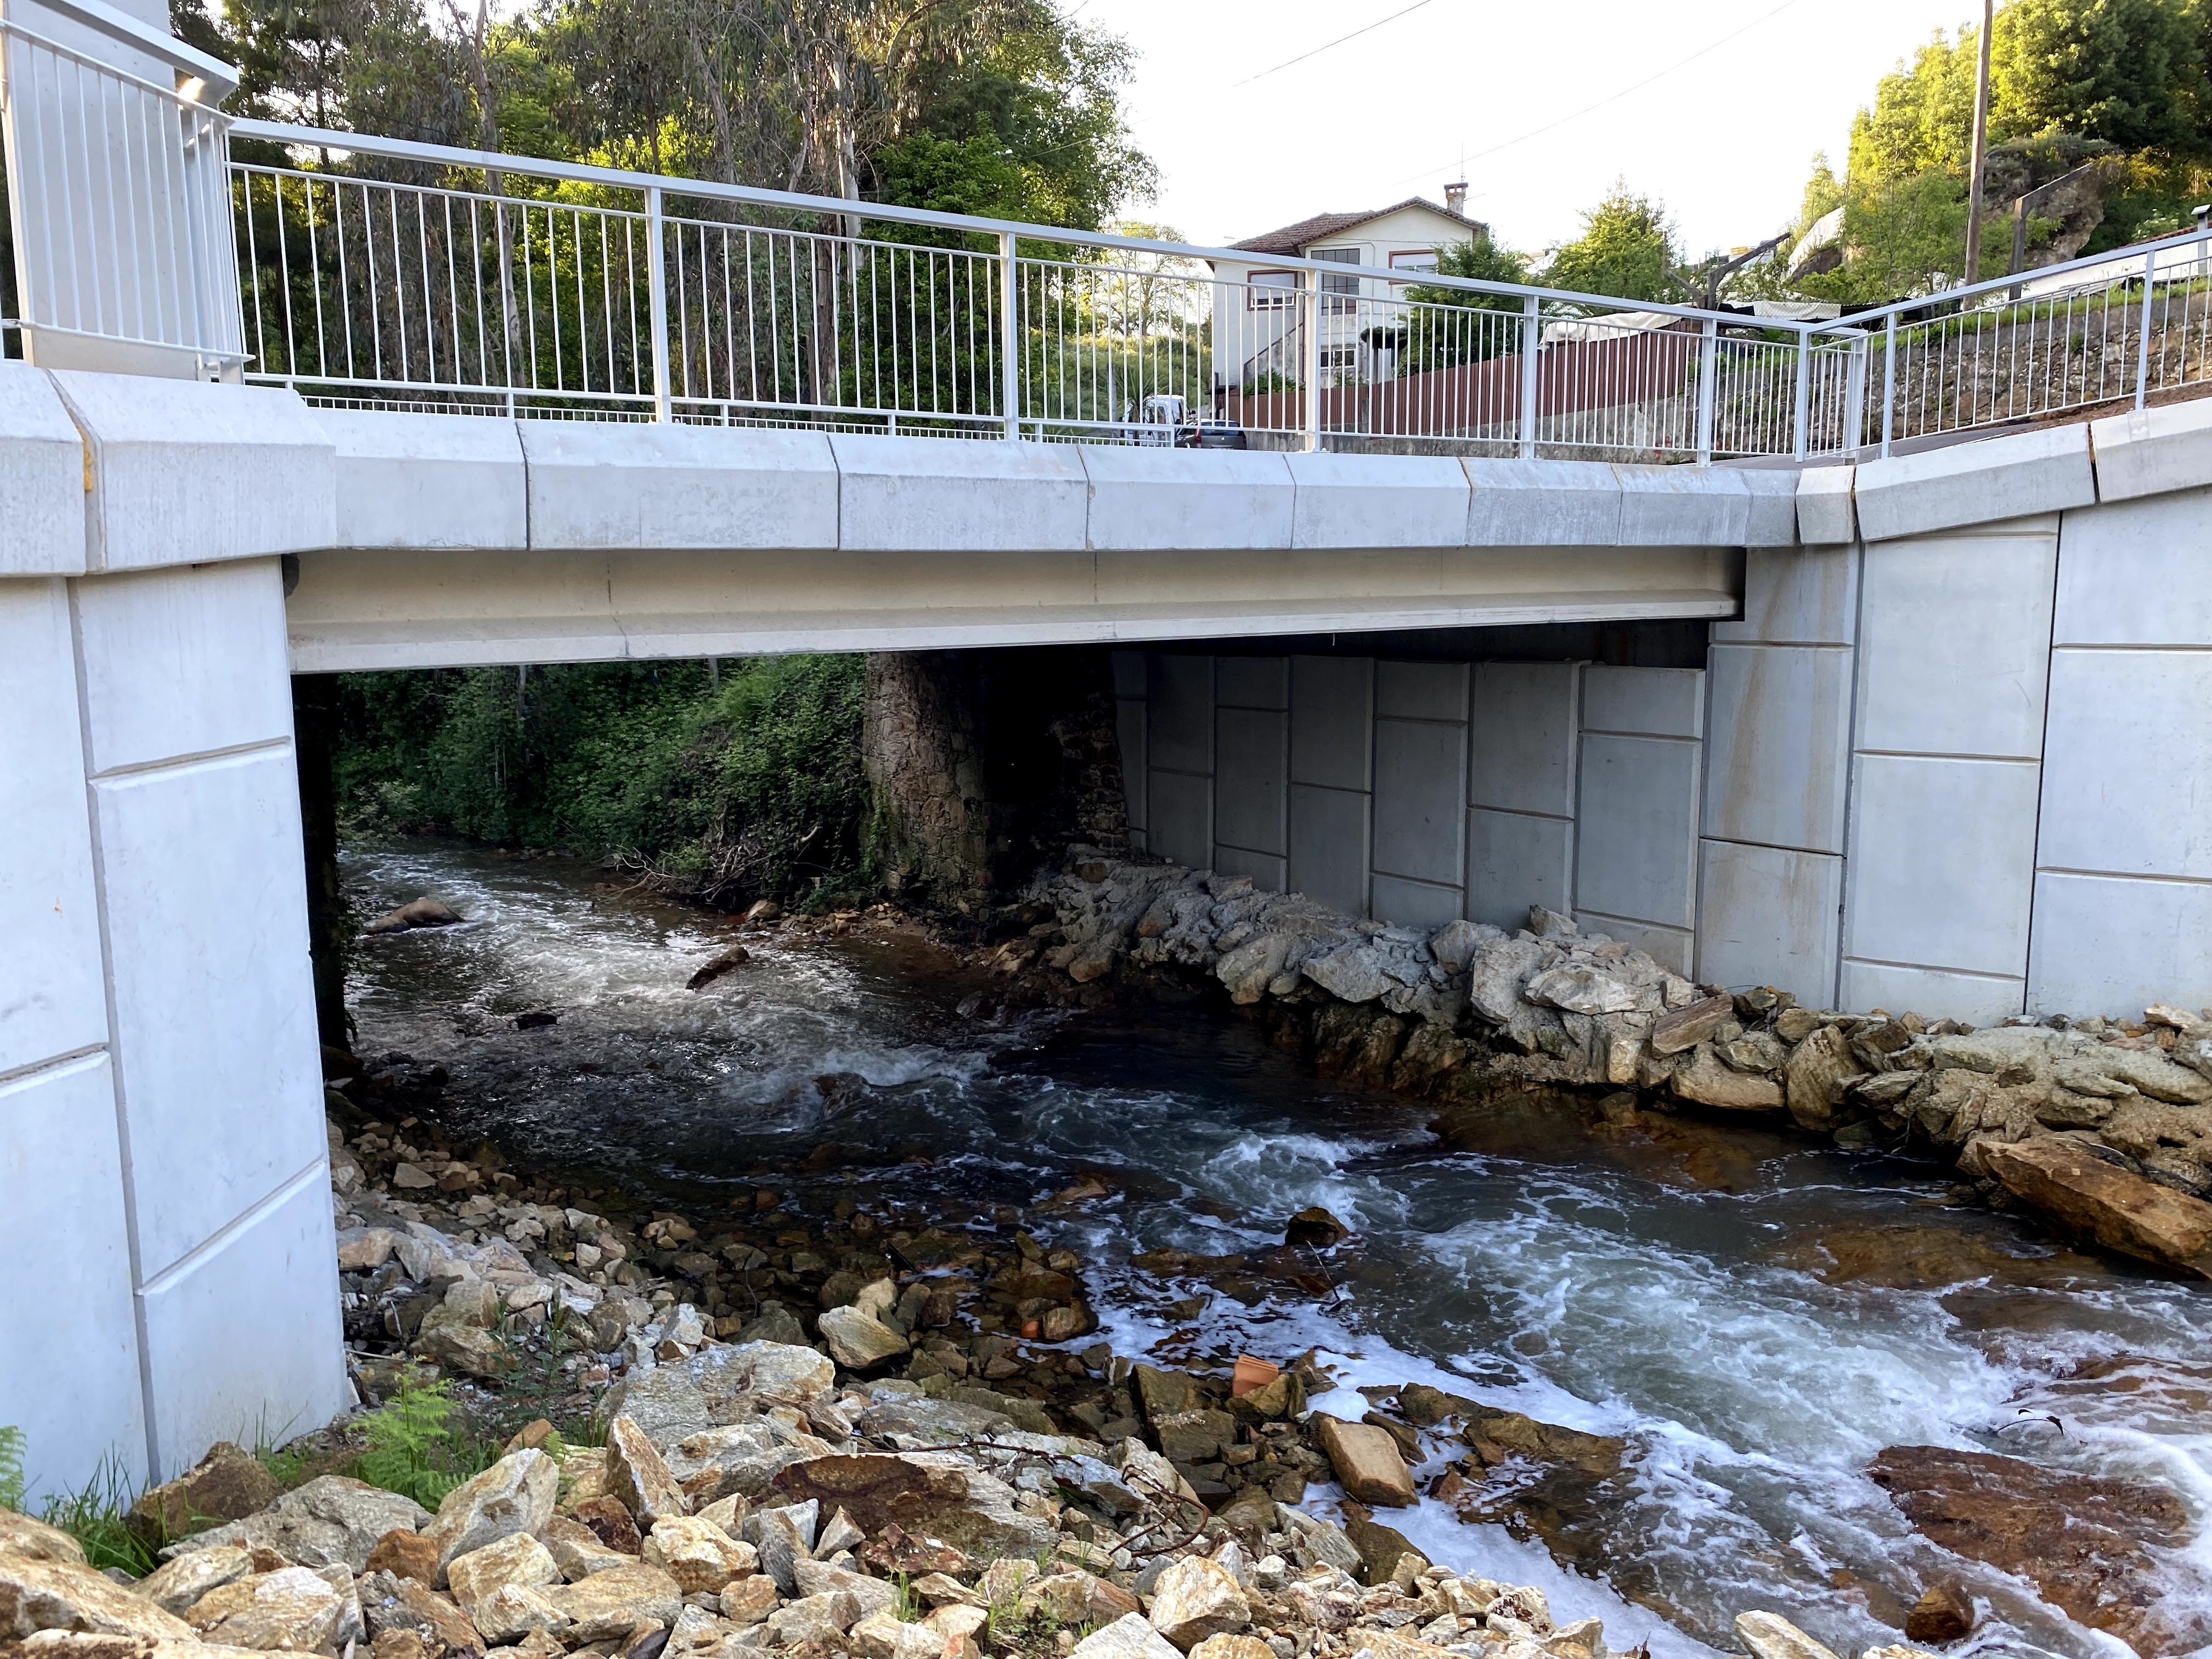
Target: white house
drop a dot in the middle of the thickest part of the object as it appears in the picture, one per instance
(1258, 343)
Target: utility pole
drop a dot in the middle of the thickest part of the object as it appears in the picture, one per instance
(1981, 147)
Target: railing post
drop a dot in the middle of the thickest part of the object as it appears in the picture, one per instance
(1854, 390)
(1312, 354)
(1532, 340)
(1709, 363)
(1888, 385)
(656, 264)
(1804, 392)
(2143, 331)
(1010, 337)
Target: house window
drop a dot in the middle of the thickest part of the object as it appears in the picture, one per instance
(1269, 290)
(1339, 292)
(1414, 258)
(1344, 357)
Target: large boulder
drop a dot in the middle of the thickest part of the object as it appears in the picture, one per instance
(2105, 1204)
(42, 1594)
(697, 1554)
(859, 1342)
(293, 1608)
(21, 1535)
(639, 1478)
(517, 1558)
(734, 1379)
(663, 1401)
(928, 1494)
(177, 1585)
(228, 1484)
(1196, 1598)
(515, 1494)
(1367, 1462)
(612, 1604)
(332, 1521)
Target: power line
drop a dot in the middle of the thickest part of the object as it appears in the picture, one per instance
(1339, 41)
(1614, 98)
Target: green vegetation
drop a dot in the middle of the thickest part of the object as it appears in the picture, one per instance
(1626, 248)
(11, 1466)
(413, 1447)
(93, 1517)
(722, 786)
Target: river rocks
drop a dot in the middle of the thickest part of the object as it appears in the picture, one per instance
(37, 1594)
(1315, 1228)
(1367, 1462)
(638, 1477)
(697, 1554)
(1770, 1636)
(227, 1485)
(857, 1341)
(736, 956)
(514, 1495)
(1130, 1637)
(2109, 1206)
(612, 1604)
(35, 1540)
(1814, 1076)
(517, 1558)
(293, 1608)
(177, 1584)
(2088, 1543)
(1196, 1598)
(332, 1521)
(1710, 1081)
(1943, 1615)
(425, 912)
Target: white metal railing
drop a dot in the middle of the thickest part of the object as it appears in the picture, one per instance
(118, 186)
(2111, 328)
(384, 268)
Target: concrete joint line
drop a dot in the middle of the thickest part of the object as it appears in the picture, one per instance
(1645, 737)
(1937, 968)
(1636, 921)
(2093, 645)
(55, 1065)
(186, 762)
(1774, 845)
(1521, 813)
(96, 480)
(318, 1170)
(1931, 754)
(2109, 875)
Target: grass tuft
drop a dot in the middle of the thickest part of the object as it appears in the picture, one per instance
(413, 1448)
(11, 1466)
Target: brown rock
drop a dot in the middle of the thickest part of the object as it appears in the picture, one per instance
(405, 1554)
(1381, 1548)
(610, 1605)
(1232, 1646)
(936, 1502)
(228, 1484)
(517, 1558)
(1944, 1614)
(391, 1605)
(1196, 1598)
(293, 1608)
(2086, 1542)
(2108, 1205)
(736, 956)
(1686, 1027)
(610, 1519)
(1814, 1075)
(1366, 1461)
(1315, 1227)
(1706, 1080)
(639, 1477)
(1424, 1407)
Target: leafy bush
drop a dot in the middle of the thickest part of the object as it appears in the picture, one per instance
(11, 1466)
(413, 1448)
(723, 787)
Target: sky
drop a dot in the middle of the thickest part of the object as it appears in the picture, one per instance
(1716, 108)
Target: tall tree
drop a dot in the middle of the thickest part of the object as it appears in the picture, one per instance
(1626, 249)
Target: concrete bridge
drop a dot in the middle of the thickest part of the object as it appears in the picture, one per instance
(1936, 736)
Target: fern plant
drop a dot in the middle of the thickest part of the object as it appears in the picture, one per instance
(11, 1466)
(413, 1448)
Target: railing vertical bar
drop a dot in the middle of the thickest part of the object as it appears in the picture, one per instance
(1009, 389)
(2142, 331)
(657, 298)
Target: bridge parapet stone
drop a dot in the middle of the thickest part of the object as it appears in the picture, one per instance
(1826, 516)
(2153, 451)
(434, 481)
(898, 493)
(669, 486)
(41, 478)
(1378, 501)
(1519, 503)
(1683, 506)
(1201, 500)
(1985, 482)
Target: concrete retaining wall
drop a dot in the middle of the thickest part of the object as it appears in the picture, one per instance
(165, 1209)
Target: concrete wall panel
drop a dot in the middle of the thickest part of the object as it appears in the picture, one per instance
(1420, 690)
(206, 909)
(427, 480)
(184, 472)
(1378, 501)
(1672, 948)
(41, 478)
(1270, 873)
(924, 494)
(1515, 859)
(1420, 794)
(1332, 721)
(1252, 682)
(1188, 498)
(2107, 945)
(1179, 817)
(1779, 754)
(1978, 998)
(2139, 572)
(245, 1335)
(1942, 864)
(1769, 915)
(1251, 776)
(1954, 643)
(1403, 903)
(1637, 829)
(1659, 703)
(2127, 771)
(67, 1320)
(1180, 709)
(1329, 858)
(1803, 596)
(1524, 724)
(53, 1000)
(597, 485)
(179, 661)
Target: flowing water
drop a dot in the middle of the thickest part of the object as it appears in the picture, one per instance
(1756, 1314)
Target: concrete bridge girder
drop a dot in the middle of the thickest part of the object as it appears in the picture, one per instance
(1947, 697)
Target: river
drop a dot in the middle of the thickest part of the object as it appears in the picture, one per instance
(1758, 1316)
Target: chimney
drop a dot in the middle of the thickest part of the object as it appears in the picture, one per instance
(1456, 198)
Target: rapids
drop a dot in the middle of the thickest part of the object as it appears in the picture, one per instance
(1756, 1314)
